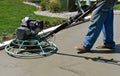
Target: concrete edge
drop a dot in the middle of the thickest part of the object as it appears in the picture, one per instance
(3, 44)
(117, 12)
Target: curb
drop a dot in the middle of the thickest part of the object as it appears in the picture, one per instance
(117, 12)
(32, 4)
(3, 44)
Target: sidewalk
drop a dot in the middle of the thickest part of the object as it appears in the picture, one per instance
(60, 15)
(63, 14)
(66, 62)
(117, 12)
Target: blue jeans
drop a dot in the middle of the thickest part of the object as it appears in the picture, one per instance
(102, 20)
(88, 2)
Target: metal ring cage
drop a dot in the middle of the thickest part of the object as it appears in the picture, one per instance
(30, 48)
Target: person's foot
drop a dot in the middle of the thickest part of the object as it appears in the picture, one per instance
(81, 49)
(104, 47)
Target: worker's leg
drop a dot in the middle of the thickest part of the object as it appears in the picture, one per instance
(97, 21)
(108, 30)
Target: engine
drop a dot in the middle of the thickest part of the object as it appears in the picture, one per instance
(29, 28)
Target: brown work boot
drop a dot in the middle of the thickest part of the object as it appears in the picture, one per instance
(81, 49)
(104, 47)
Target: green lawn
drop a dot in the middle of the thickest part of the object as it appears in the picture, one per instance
(117, 6)
(12, 11)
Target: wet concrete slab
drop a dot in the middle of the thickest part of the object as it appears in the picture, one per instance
(67, 62)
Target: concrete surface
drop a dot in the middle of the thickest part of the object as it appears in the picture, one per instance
(66, 62)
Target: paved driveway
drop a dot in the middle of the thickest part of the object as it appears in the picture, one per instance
(66, 62)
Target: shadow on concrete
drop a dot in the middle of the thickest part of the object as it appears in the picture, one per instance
(116, 50)
(95, 59)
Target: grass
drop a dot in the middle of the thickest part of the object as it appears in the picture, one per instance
(117, 6)
(12, 11)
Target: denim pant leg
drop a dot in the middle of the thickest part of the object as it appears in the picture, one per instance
(97, 21)
(88, 2)
(108, 30)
